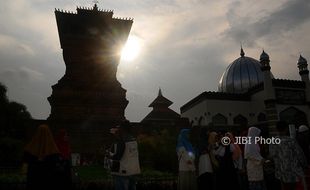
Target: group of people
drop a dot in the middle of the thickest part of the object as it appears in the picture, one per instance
(206, 163)
(48, 159)
(210, 163)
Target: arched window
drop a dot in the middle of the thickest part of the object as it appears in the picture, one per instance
(294, 116)
(240, 120)
(261, 117)
(219, 119)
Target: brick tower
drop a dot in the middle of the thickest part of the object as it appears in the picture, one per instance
(89, 98)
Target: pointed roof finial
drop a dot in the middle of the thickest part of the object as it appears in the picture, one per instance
(95, 5)
(242, 52)
(160, 100)
(159, 92)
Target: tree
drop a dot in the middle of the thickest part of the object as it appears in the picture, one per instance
(13, 116)
(158, 150)
(3, 97)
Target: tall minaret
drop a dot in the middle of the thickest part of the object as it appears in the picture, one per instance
(269, 94)
(265, 67)
(304, 74)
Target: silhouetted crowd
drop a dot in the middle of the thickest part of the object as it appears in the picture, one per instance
(205, 161)
(212, 163)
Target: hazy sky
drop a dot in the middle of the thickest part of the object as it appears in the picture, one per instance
(186, 46)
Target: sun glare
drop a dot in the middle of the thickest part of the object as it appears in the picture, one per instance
(131, 49)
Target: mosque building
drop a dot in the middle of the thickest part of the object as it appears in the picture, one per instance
(88, 104)
(249, 95)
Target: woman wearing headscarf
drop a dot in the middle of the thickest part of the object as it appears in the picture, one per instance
(226, 175)
(236, 151)
(303, 139)
(213, 146)
(43, 159)
(238, 161)
(288, 157)
(254, 161)
(205, 171)
(186, 157)
(63, 144)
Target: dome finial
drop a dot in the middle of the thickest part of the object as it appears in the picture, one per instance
(242, 52)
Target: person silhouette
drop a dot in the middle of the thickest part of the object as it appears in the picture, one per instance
(43, 161)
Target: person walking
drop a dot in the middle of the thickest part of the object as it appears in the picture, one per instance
(226, 175)
(125, 158)
(238, 161)
(288, 157)
(303, 139)
(186, 157)
(205, 178)
(63, 145)
(255, 161)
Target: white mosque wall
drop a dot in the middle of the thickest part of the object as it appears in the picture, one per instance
(229, 109)
(194, 113)
(202, 113)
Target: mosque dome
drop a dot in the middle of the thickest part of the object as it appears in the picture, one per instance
(240, 75)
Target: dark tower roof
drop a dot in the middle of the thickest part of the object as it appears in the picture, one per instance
(91, 26)
(160, 100)
(161, 111)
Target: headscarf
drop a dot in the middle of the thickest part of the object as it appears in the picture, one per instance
(42, 143)
(237, 151)
(252, 150)
(212, 142)
(212, 138)
(63, 144)
(303, 128)
(183, 141)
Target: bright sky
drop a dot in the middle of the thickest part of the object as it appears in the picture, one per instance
(184, 46)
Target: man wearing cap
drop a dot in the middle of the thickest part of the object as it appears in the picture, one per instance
(125, 157)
